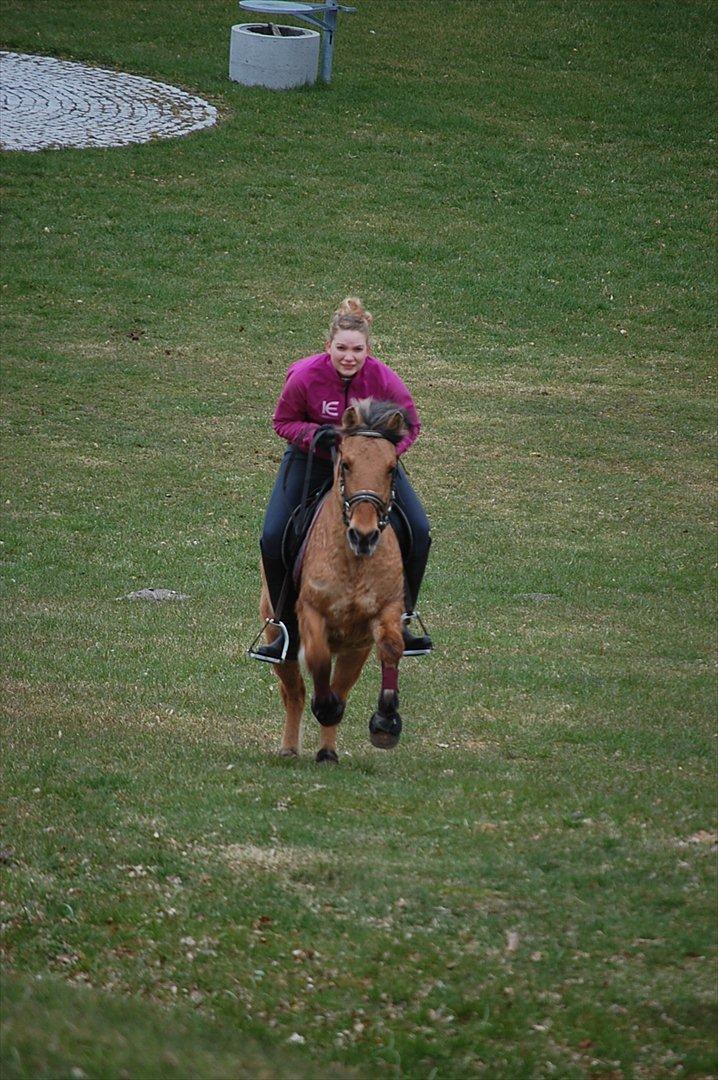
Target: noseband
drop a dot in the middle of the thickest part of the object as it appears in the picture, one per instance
(382, 508)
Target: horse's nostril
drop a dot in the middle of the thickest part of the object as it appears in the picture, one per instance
(363, 543)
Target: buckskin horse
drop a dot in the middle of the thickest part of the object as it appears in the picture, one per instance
(351, 595)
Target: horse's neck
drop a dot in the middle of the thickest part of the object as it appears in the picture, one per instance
(334, 521)
(333, 507)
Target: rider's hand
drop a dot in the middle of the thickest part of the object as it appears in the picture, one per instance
(325, 437)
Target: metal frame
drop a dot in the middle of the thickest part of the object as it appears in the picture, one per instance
(322, 15)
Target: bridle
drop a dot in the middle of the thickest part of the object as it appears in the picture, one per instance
(383, 507)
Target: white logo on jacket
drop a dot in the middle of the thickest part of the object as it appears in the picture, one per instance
(330, 408)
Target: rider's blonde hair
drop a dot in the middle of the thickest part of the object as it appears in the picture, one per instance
(351, 315)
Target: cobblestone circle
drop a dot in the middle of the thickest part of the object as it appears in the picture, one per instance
(47, 103)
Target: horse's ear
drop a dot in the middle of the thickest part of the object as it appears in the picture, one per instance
(350, 419)
(397, 423)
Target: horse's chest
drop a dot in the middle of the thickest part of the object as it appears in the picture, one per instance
(350, 594)
(363, 605)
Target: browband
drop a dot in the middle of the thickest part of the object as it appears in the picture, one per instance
(368, 432)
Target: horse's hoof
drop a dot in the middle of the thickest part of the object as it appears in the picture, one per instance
(384, 731)
(288, 751)
(324, 754)
(329, 711)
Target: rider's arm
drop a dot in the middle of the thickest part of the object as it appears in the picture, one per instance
(290, 416)
(397, 391)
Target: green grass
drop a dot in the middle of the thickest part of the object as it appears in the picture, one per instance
(523, 193)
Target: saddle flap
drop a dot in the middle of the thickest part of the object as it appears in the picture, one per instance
(297, 533)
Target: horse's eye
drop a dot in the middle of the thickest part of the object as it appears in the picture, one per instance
(346, 468)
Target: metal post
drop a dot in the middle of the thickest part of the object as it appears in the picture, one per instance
(330, 25)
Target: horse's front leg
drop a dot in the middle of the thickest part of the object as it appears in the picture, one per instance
(347, 670)
(385, 724)
(327, 706)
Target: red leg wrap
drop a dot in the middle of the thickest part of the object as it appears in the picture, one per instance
(389, 678)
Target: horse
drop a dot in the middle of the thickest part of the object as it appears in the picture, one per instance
(351, 595)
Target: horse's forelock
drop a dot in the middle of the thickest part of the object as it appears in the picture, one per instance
(376, 416)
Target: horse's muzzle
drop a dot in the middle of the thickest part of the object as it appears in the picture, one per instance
(363, 543)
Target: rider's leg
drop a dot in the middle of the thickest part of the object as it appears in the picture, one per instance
(414, 561)
(275, 575)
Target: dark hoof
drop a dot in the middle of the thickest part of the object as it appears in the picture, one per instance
(384, 731)
(327, 755)
(329, 711)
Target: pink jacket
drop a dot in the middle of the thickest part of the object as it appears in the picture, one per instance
(314, 393)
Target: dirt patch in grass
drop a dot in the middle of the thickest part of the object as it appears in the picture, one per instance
(703, 837)
(240, 857)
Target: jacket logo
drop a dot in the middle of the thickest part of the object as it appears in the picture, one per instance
(330, 408)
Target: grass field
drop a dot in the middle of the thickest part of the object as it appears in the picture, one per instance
(523, 194)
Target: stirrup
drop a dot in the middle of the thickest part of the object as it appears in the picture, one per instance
(255, 653)
(418, 646)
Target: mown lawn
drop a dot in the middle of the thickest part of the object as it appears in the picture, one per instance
(523, 194)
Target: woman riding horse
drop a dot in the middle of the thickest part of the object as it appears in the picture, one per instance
(351, 595)
(317, 392)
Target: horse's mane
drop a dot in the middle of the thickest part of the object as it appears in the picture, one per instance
(378, 416)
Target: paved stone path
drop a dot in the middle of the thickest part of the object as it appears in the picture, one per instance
(54, 103)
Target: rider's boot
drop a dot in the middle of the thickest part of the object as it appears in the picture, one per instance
(415, 644)
(274, 572)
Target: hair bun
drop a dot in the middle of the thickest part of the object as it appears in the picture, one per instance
(351, 315)
(352, 305)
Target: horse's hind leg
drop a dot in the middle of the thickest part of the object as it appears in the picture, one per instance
(291, 683)
(291, 686)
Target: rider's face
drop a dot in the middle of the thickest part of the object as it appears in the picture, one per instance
(348, 350)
